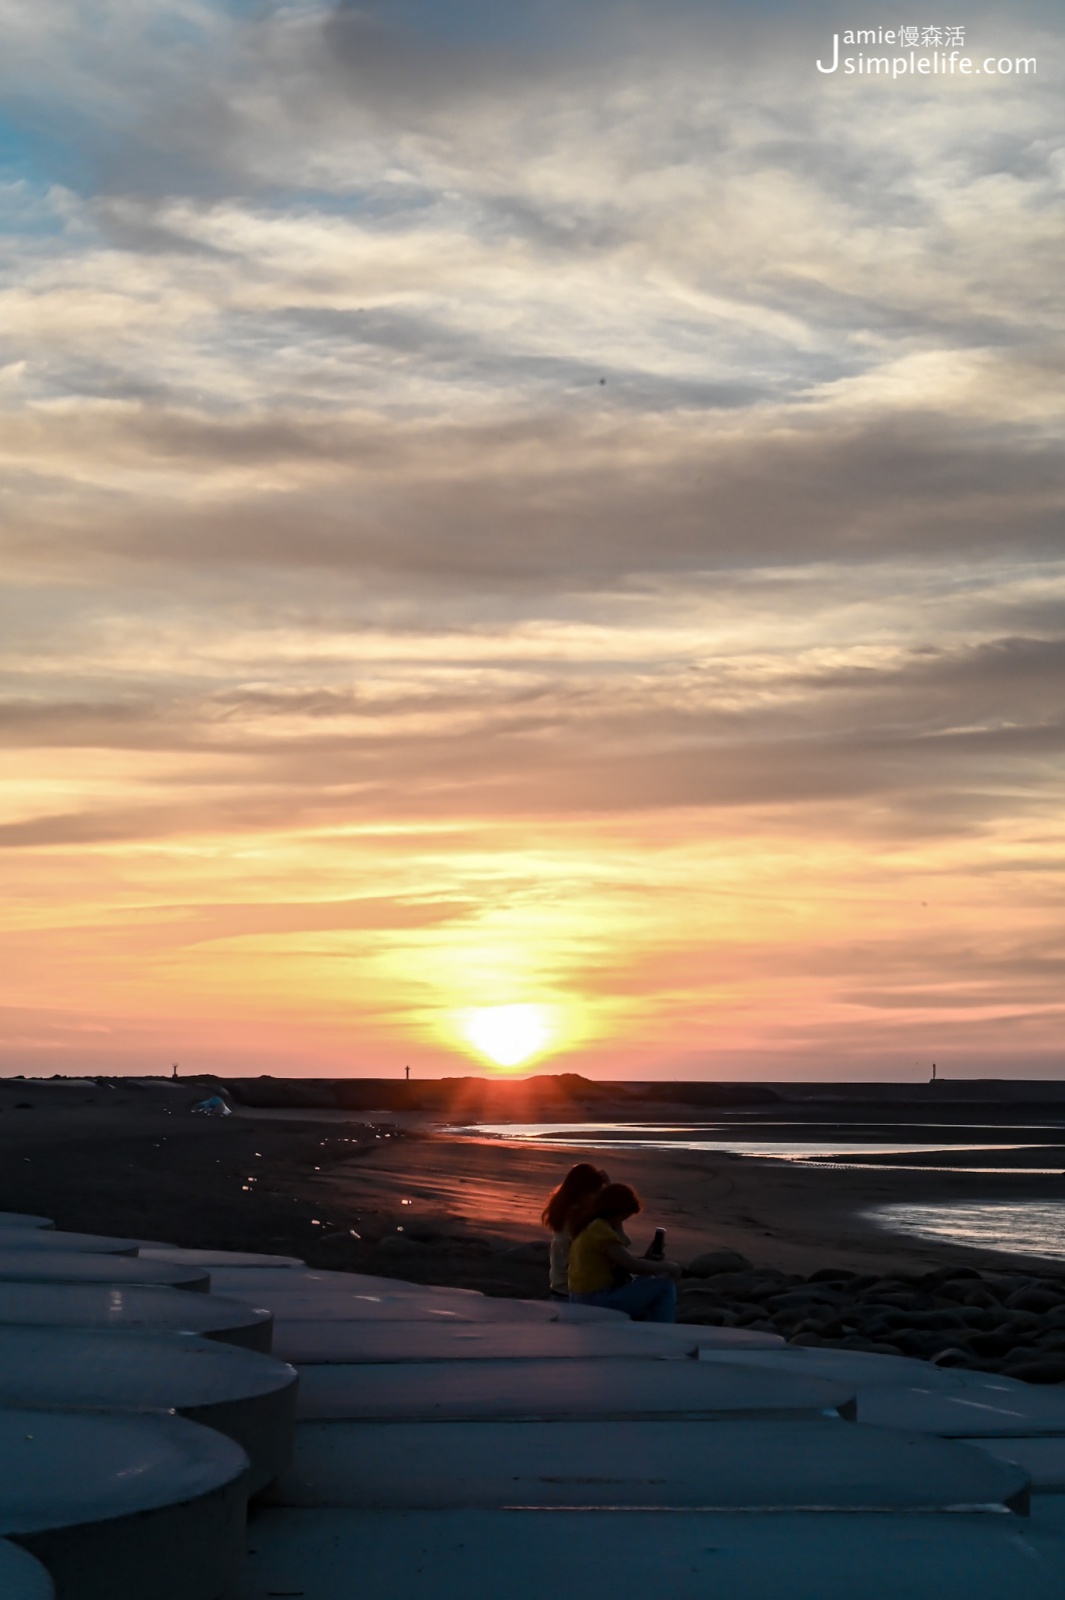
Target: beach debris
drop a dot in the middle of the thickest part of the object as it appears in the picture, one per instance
(213, 1106)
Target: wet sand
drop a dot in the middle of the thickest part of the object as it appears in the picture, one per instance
(399, 1199)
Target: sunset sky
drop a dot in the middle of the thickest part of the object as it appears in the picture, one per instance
(551, 505)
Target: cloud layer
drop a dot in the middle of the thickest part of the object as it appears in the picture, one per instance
(521, 507)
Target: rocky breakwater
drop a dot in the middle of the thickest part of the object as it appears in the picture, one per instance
(1009, 1322)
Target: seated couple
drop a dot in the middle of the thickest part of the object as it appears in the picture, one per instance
(590, 1260)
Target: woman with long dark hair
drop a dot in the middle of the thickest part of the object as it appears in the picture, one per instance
(564, 1205)
(602, 1272)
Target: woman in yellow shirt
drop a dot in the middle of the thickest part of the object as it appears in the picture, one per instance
(603, 1273)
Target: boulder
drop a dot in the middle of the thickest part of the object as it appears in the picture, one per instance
(800, 1299)
(1037, 1369)
(1035, 1299)
(700, 1318)
(925, 1345)
(397, 1244)
(728, 1284)
(943, 1275)
(715, 1261)
(993, 1346)
(976, 1294)
(537, 1252)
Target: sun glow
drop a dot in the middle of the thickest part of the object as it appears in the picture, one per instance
(508, 1035)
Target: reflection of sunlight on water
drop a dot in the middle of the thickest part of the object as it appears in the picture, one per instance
(647, 1136)
(1022, 1227)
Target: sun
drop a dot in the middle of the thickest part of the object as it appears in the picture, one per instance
(508, 1035)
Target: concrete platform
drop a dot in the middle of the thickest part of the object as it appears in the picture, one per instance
(551, 1555)
(1048, 1515)
(746, 1466)
(327, 1305)
(562, 1391)
(20, 1219)
(21, 1575)
(567, 1313)
(153, 1251)
(61, 1266)
(51, 1239)
(226, 1280)
(968, 1413)
(864, 1369)
(101, 1305)
(247, 1396)
(123, 1507)
(467, 1341)
(1042, 1459)
(714, 1338)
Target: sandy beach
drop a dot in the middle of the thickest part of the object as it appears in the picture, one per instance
(395, 1197)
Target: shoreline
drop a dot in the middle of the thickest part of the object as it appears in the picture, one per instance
(406, 1198)
(786, 1214)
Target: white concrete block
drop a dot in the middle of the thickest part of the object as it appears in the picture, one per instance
(62, 1266)
(466, 1341)
(124, 1507)
(563, 1391)
(967, 1413)
(247, 1396)
(1043, 1459)
(318, 1306)
(116, 1306)
(50, 1239)
(153, 1251)
(483, 1555)
(21, 1575)
(862, 1368)
(240, 1283)
(748, 1465)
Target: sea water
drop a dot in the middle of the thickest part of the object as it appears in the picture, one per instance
(714, 1139)
(1017, 1227)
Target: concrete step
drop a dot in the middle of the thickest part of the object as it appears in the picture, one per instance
(863, 1368)
(21, 1575)
(329, 1305)
(35, 1238)
(467, 1341)
(152, 1250)
(631, 1555)
(247, 1396)
(124, 1507)
(101, 1305)
(748, 1465)
(968, 1413)
(1042, 1459)
(229, 1279)
(62, 1266)
(562, 1391)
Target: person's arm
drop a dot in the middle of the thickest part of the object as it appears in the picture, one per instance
(639, 1266)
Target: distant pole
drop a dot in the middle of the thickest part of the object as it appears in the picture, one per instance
(407, 1070)
(933, 1072)
(174, 1071)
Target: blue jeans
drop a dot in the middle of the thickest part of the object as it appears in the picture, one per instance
(644, 1299)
